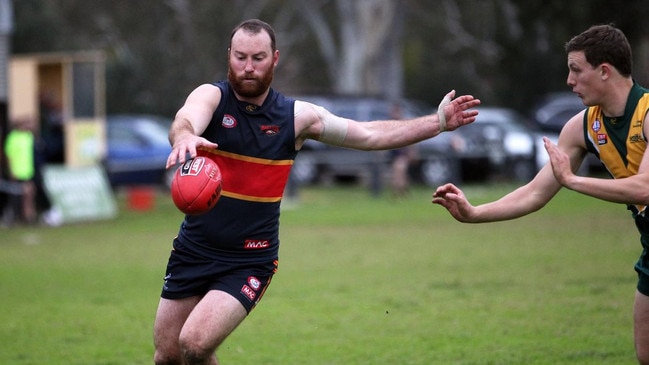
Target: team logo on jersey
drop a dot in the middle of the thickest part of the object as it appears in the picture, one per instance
(254, 283)
(597, 125)
(229, 121)
(270, 130)
(251, 108)
(248, 292)
(602, 139)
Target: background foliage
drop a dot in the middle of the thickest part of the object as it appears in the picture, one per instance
(507, 52)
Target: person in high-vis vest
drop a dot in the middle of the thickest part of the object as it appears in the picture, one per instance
(19, 151)
(614, 127)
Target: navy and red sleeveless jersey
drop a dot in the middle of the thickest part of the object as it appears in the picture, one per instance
(255, 154)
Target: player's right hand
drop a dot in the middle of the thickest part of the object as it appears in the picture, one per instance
(452, 198)
(187, 145)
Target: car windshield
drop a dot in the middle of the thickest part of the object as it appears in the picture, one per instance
(154, 129)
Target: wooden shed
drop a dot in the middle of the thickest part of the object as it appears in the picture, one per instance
(65, 94)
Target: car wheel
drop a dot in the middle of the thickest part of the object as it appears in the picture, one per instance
(305, 169)
(440, 170)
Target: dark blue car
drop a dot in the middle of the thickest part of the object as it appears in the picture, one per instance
(137, 152)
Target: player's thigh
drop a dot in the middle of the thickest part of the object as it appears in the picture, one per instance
(169, 321)
(641, 323)
(212, 320)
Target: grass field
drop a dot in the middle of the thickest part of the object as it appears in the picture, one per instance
(361, 281)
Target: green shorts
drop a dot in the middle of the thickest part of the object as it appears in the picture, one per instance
(642, 268)
(643, 282)
(642, 265)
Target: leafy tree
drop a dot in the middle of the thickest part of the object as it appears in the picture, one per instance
(506, 52)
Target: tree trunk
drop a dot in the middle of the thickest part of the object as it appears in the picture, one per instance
(367, 58)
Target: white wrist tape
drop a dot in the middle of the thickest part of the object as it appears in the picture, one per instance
(440, 113)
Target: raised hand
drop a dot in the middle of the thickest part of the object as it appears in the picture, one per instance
(454, 113)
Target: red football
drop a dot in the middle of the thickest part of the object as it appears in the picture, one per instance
(196, 186)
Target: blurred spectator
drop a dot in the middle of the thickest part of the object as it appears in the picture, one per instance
(51, 129)
(400, 161)
(19, 150)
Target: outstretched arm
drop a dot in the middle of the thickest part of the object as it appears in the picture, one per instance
(315, 122)
(526, 199)
(522, 201)
(380, 135)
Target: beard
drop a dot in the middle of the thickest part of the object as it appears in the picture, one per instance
(244, 87)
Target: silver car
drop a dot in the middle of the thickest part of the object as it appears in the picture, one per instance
(499, 144)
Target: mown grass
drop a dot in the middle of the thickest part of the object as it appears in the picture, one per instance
(361, 281)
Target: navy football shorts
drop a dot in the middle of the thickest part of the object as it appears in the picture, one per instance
(643, 283)
(190, 274)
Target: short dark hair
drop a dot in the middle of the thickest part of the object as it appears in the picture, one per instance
(255, 26)
(604, 43)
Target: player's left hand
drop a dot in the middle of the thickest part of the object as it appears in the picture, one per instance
(454, 113)
(560, 162)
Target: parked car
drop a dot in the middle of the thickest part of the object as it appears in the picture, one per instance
(499, 143)
(550, 114)
(137, 151)
(554, 109)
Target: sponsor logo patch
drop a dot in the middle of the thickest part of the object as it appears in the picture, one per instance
(602, 139)
(635, 138)
(256, 244)
(248, 292)
(270, 130)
